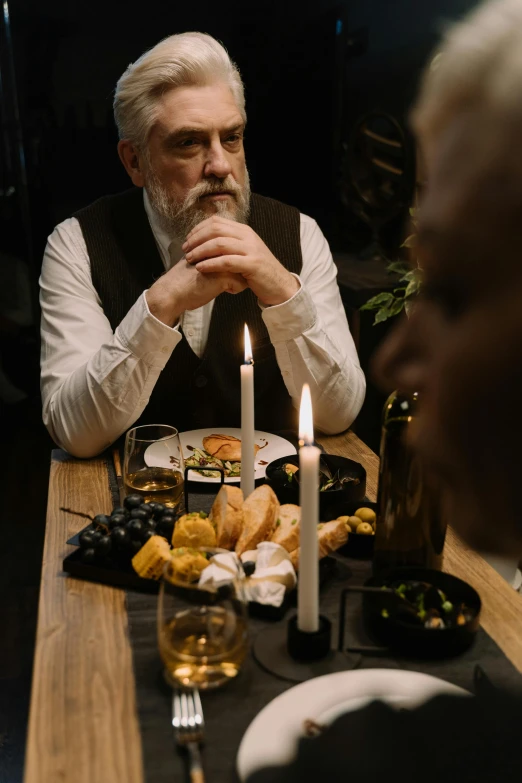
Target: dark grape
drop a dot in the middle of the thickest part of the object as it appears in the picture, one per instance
(135, 546)
(117, 520)
(149, 524)
(132, 501)
(165, 528)
(168, 517)
(104, 546)
(119, 510)
(147, 533)
(101, 519)
(96, 535)
(147, 508)
(138, 513)
(120, 537)
(88, 555)
(135, 528)
(158, 510)
(86, 540)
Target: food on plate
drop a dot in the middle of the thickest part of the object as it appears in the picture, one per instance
(201, 458)
(364, 529)
(225, 447)
(366, 515)
(425, 605)
(194, 530)
(226, 516)
(331, 536)
(260, 512)
(150, 561)
(287, 527)
(187, 564)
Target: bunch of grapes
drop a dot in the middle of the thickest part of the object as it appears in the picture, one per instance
(119, 536)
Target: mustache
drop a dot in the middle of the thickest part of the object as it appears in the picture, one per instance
(210, 186)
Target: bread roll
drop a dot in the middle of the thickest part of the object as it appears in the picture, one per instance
(260, 511)
(331, 536)
(288, 525)
(226, 515)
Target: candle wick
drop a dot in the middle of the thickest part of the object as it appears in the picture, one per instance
(249, 362)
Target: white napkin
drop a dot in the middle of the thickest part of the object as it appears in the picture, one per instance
(221, 570)
(274, 573)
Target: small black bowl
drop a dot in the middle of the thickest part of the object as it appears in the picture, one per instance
(414, 641)
(358, 545)
(332, 501)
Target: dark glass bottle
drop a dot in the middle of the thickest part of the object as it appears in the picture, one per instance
(410, 527)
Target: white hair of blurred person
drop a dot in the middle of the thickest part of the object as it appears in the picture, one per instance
(479, 63)
(184, 60)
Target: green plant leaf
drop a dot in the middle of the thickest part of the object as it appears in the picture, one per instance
(410, 241)
(398, 267)
(393, 308)
(410, 275)
(377, 301)
(413, 287)
(413, 212)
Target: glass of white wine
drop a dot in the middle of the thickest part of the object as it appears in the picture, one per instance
(202, 631)
(153, 464)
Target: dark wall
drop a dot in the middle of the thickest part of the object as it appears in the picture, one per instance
(70, 54)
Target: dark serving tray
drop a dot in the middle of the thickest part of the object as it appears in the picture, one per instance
(119, 576)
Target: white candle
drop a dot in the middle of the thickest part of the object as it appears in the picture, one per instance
(308, 583)
(247, 420)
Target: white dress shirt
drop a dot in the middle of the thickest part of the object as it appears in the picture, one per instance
(96, 383)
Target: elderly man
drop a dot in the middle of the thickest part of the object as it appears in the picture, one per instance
(461, 349)
(145, 294)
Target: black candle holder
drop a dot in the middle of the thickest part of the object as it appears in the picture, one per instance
(295, 655)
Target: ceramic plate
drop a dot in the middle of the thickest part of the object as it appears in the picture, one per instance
(271, 447)
(272, 736)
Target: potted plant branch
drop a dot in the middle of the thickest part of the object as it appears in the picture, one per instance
(390, 303)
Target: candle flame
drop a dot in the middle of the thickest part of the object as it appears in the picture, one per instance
(306, 419)
(249, 359)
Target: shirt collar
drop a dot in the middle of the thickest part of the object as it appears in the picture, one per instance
(170, 249)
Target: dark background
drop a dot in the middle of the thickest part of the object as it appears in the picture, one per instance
(311, 69)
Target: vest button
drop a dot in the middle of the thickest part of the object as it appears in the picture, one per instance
(201, 381)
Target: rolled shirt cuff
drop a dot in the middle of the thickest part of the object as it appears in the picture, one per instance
(147, 338)
(290, 319)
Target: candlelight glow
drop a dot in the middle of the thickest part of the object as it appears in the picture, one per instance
(248, 347)
(306, 419)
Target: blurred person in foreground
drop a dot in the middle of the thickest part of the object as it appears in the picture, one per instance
(145, 294)
(461, 349)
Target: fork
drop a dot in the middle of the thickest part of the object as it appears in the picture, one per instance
(189, 725)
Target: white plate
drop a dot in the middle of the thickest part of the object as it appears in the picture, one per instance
(272, 736)
(271, 447)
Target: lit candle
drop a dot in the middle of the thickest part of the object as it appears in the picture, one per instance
(247, 420)
(308, 584)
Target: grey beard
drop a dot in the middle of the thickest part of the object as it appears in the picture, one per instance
(178, 220)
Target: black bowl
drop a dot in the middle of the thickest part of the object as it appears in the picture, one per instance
(332, 501)
(358, 546)
(414, 641)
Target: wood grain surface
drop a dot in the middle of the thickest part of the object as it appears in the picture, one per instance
(501, 613)
(83, 723)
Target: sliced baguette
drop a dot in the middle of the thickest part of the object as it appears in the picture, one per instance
(260, 511)
(226, 515)
(288, 525)
(331, 535)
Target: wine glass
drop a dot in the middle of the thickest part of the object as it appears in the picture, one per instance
(202, 631)
(153, 464)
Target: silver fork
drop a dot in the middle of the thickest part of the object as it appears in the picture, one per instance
(189, 726)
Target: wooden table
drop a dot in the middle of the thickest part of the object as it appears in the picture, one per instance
(83, 725)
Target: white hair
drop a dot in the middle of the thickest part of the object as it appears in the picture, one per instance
(187, 59)
(479, 62)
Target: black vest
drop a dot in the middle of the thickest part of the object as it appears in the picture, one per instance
(192, 392)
